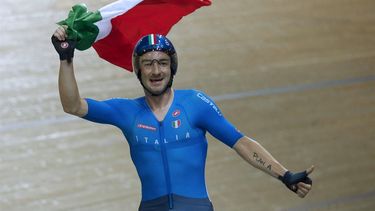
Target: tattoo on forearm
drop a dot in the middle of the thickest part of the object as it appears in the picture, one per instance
(261, 161)
(258, 159)
(269, 167)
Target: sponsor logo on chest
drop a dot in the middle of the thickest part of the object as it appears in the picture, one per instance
(176, 113)
(147, 127)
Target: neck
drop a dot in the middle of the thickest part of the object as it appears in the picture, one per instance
(161, 102)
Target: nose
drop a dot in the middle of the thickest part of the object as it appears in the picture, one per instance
(155, 67)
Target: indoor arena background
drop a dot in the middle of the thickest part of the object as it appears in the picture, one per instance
(297, 76)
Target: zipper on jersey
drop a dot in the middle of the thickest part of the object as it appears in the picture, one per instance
(166, 165)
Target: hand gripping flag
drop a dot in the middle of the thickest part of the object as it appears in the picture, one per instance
(114, 29)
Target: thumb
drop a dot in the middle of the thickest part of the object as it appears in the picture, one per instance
(310, 170)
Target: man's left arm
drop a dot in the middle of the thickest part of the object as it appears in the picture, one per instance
(205, 114)
(256, 155)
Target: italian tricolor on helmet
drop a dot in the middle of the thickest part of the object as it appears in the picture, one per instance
(154, 42)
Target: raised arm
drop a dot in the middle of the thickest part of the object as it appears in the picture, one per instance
(260, 158)
(69, 94)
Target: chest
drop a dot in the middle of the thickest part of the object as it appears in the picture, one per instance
(175, 128)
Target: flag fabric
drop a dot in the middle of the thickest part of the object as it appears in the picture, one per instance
(114, 29)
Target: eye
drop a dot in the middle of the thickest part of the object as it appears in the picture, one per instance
(164, 64)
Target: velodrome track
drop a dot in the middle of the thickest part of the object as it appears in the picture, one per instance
(297, 76)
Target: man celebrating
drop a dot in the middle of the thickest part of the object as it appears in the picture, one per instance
(166, 128)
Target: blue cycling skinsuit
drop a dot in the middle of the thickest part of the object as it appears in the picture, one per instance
(169, 155)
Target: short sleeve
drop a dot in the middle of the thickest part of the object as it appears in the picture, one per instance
(207, 115)
(102, 111)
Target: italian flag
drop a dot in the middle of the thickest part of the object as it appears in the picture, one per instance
(176, 123)
(114, 29)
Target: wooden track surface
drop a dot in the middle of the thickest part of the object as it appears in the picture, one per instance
(297, 76)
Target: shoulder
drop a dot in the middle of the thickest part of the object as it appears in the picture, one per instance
(197, 100)
(124, 102)
(195, 95)
(190, 94)
(117, 100)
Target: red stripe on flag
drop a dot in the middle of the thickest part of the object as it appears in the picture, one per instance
(150, 16)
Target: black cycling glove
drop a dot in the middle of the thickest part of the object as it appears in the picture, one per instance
(291, 179)
(65, 48)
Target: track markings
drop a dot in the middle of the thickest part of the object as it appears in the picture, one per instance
(232, 96)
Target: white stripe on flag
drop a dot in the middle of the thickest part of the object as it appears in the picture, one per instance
(111, 11)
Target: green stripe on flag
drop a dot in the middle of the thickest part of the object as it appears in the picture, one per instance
(81, 26)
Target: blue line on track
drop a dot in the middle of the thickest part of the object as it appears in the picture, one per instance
(293, 88)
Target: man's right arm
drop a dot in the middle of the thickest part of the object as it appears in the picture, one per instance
(69, 94)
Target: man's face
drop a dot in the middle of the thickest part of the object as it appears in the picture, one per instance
(155, 67)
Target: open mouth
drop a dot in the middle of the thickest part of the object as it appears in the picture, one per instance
(155, 80)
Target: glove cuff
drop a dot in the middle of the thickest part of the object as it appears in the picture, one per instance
(67, 52)
(285, 177)
(65, 49)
